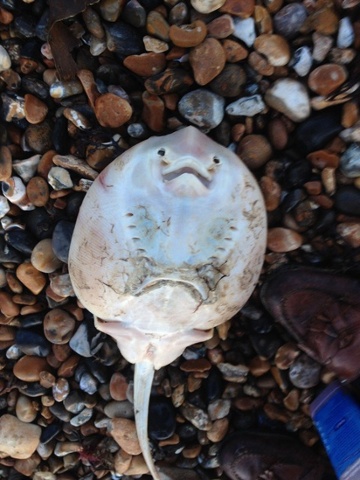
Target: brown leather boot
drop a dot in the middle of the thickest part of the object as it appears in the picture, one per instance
(268, 456)
(321, 310)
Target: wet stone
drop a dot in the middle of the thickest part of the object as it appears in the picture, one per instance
(35, 109)
(80, 341)
(207, 60)
(304, 372)
(162, 422)
(59, 326)
(289, 19)
(202, 108)
(61, 239)
(88, 383)
(350, 161)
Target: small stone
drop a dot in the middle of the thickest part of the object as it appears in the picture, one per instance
(346, 35)
(123, 432)
(282, 240)
(202, 108)
(239, 8)
(351, 134)
(59, 326)
(155, 45)
(207, 6)
(285, 355)
(37, 191)
(196, 416)
(28, 275)
(304, 372)
(162, 421)
(350, 232)
(271, 191)
(221, 27)
(70, 162)
(61, 389)
(59, 178)
(28, 368)
(171, 80)
(26, 168)
(322, 45)
(289, 19)
(118, 387)
(134, 13)
(110, 9)
(254, 150)
(35, 109)
(124, 409)
(15, 191)
(122, 462)
(323, 159)
(61, 239)
(5, 163)
(83, 417)
(277, 133)
(5, 60)
(123, 39)
(274, 47)
(234, 52)
(326, 78)
(234, 373)
(245, 30)
(207, 60)
(189, 35)
(80, 341)
(302, 61)
(146, 64)
(157, 26)
(61, 285)
(20, 239)
(229, 82)
(219, 409)
(18, 439)
(289, 97)
(260, 64)
(319, 129)
(218, 430)
(43, 257)
(246, 106)
(350, 161)
(112, 111)
(153, 112)
(324, 21)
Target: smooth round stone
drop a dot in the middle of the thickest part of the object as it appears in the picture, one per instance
(302, 61)
(289, 97)
(234, 51)
(124, 409)
(207, 60)
(29, 276)
(123, 432)
(123, 39)
(59, 326)
(80, 342)
(25, 410)
(246, 106)
(289, 19)
(61, 239)
(35, 109)
(322, 45)
(346, 35)
(277, 133)
(155, 45)
(118, 387)
(146, 64)
(282, 240)
(134, 13)
(40, 223)
(88, 383)
(5, 163)
(5, 60)
(207, 6)
(347, 200)
(350, 232)
(157, 25)
(188, 35)
(271, 191)
(254, 150)
(229, 82)
(274, 47)
(244, 29)
(202, 108)
(304, 372)
(326, 78)
(221, 27)
(239, 8)
(162, 421)
(350, 161)
(74, 402)
(38, 137)
(37, 190)
(31, 343)
(21, 240)
(82, 417)
(29, 367)
(18, 439)
(112, 111)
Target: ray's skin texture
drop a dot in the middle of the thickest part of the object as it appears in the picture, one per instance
(169, 243)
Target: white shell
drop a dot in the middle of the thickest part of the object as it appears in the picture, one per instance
(168, 242)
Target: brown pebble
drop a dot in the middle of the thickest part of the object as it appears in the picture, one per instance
(275, 412)
(188, 35)
(350, 232)
(263, 20)
(313, 187)
(274, 47)
(38, 191)
(46, 164)
(118, 387)
(207, 60)
(5, 163)
(28, 368)
(234, 52)
(323, 158)
(7, 305)
(112, 111)
(28, 275)
(246, 404)
(259, 366)
(26, 410)
(59, 326)
(153, 112)
(122, 462)
(292, 400)
(47, 379)
(271, 191)
(43, 257)
(260, 64)
(35, 109)
(146, 64)
(191, 452)
(7, 334)
(324, 21)
(221, 27)
(254, 150)
(324, 79)
(123, 432)
(282, 240)
(277, 133)
(218, 430)
(18, 439)
(157, 25)
(239, 8)
(350, 114)
(170, 81)
(198, 365)
(68, 367)
(285, 355)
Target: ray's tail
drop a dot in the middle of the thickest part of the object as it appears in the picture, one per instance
(143, 378)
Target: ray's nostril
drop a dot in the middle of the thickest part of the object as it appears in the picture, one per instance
(161, 152)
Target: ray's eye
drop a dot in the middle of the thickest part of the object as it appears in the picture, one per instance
(216, 160)
(161, 152)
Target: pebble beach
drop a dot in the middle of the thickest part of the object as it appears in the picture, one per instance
(276, 82)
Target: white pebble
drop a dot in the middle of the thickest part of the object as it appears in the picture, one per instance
(59, 178)
(5, 60)
(26, 169)
(301, 61)
(346, 34)
(4, 206)
(289, 97)
(322, 46)
(65, 89)
(245, 30)
(246, 106)
(207, 6)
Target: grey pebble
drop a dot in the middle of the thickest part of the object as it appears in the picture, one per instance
(83, 417)
(304, 372)
(59, 178)
(346, 33)
(289, 19)
(88, 383)
(123, 409)
(202, 108)
(350, 161)
(196, 416)
(246, 106)
(302, 61)
(74, 402)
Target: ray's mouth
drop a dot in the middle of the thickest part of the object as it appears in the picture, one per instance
(170, 173)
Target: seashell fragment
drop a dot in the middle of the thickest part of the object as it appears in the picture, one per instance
(169, 243)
